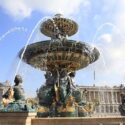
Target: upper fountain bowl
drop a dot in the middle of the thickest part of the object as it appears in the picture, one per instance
(58, 25)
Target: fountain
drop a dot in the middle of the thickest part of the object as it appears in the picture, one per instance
(60, 101)
(60, 58)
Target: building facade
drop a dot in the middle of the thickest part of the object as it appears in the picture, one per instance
(109, 98)
(3, 88)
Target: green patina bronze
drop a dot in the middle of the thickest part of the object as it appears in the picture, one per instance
(19, 103)
(60, 57)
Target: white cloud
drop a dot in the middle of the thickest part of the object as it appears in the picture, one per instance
(24, 8)
(119, 17)
(16, 8)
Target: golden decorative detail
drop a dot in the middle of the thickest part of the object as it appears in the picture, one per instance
(70, 105)
(56, 92)
(43, 109)
(64, 25)
(70, 101)
(32, 101)
(70, 58)
(87, 108)
(10, 93)
(66, 109)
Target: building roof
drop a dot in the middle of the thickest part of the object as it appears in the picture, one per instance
(1, 85)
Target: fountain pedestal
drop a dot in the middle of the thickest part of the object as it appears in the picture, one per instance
(16, 118)
(80, 121)
(10, 118)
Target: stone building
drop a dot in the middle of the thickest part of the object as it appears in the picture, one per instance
(3, 88)
(109, 98)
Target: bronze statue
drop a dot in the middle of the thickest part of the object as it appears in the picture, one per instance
(18, 90)
(60, 57)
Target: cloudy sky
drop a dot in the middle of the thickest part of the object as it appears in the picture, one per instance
(101, 24)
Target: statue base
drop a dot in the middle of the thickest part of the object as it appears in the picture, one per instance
(18, 106)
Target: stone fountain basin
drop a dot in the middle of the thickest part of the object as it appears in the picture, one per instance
(64, 54)
(105, 120)
(12, 118)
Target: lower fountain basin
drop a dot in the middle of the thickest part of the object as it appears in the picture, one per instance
(80, 121)
(29, 119)
(64, 54)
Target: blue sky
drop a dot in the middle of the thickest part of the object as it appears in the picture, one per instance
(101, 24)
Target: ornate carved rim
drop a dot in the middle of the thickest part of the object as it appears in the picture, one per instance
(47, 55)
(63, 25)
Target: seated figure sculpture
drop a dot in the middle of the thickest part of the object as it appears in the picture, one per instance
(18, 90)
(18, 104)
(64, 86)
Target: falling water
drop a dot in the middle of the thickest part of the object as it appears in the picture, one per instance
(56, 28)
(107, 24)
(25, 47)
(99, 45)
(11, 31)
(103, 60)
